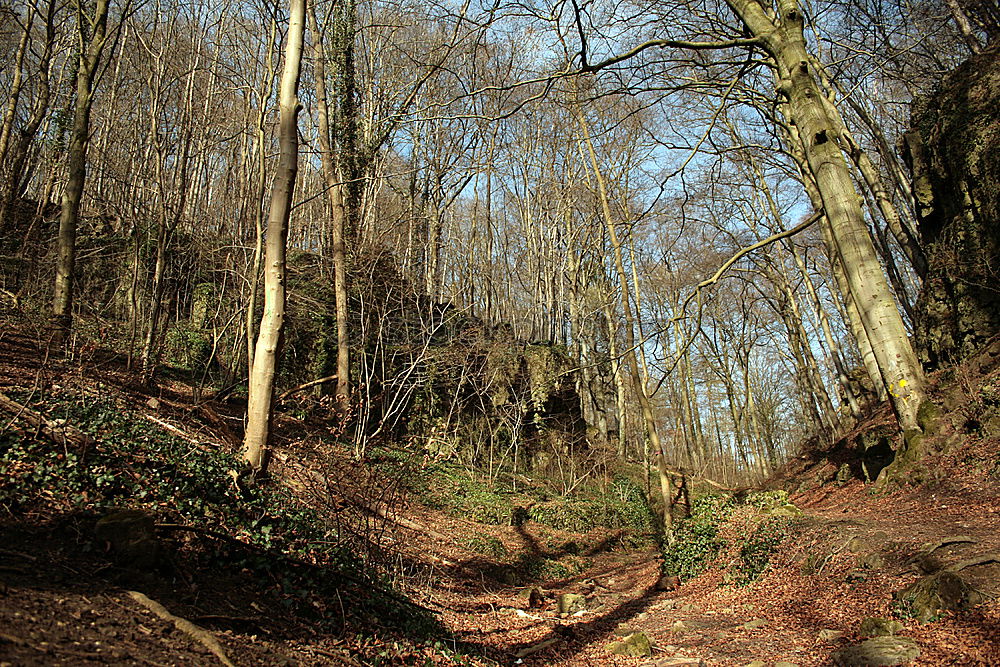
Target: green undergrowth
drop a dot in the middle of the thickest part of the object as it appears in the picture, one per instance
(698, 540)
(282, 546)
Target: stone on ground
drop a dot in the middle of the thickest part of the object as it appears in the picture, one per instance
(878, 652)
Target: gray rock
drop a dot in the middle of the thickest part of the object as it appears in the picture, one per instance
(878, 652)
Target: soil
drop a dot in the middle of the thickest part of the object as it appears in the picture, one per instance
(63, 604)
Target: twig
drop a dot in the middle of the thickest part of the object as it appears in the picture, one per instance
(204, 531)
(206, 638)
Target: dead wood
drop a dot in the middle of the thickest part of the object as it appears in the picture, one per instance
(525, 652)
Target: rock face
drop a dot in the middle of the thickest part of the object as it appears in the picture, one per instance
(954, 151)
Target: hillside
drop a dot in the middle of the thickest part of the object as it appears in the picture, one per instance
(792, 580)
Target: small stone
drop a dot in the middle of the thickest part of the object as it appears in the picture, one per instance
(688, 607)
(754, 624)
(876, 626)
(570, 603)
(624, 630)
(635, 645)
(153, 403)
(878, 652)
(678, 626)
(783, 663)
(678, 661)
(756, 663)
(829, 635)
(856, 576)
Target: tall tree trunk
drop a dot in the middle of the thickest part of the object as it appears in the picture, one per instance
(338, 213)
(631, 356)
(272, 323)
(62, 299)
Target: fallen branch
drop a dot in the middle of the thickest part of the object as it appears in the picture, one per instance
(525, 652)
(305, 385)
(204, 637)
(173, 429)
(61, 434)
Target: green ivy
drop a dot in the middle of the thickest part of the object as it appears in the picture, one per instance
(756, 551)
(696, 541)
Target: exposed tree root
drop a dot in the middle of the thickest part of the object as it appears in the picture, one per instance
(972, 562)
(204, 637)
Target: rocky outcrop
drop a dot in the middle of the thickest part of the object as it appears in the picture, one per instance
(954, 152)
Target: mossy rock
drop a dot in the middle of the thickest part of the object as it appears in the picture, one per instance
(787, 510)
(877, 652)
(944, 591)
(876, 626)
(843, 475)
(636, 645)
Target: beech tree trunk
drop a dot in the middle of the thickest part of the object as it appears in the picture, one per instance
(821, 137)
(272, 323)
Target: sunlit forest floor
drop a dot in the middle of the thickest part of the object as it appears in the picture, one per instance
(451, 590)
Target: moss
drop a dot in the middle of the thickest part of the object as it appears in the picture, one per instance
(929, 417)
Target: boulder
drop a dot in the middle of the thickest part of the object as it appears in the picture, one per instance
(944, 591)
